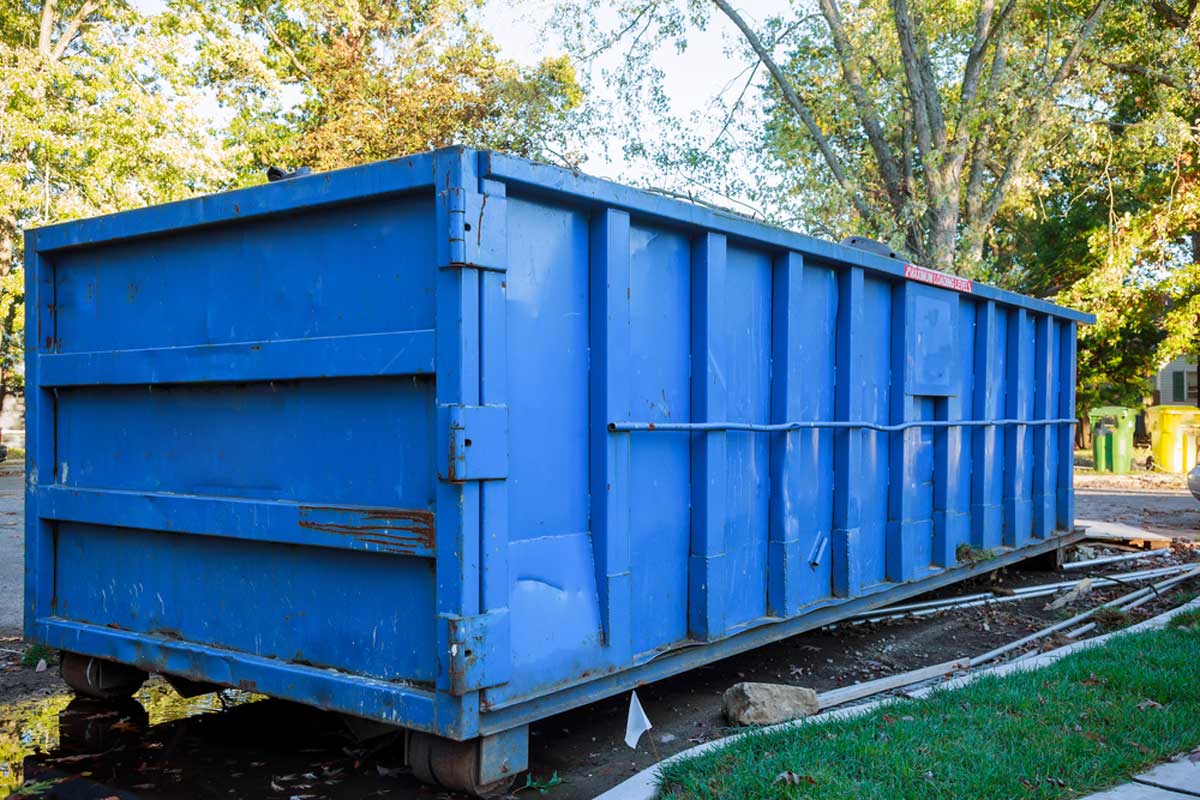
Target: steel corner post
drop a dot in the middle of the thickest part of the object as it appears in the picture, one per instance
(474, 640)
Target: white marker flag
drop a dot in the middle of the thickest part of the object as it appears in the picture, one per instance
(637, 723)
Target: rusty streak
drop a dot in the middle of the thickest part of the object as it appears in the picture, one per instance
(398, 530)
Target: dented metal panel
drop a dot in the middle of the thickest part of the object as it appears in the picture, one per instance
(457, 441)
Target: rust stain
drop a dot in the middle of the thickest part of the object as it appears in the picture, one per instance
(394, 530)
(479, 227)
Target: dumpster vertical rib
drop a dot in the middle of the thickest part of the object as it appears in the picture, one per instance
(1043, 436)
(900, 547)
(986, 515)
(950, 520)
(39, 422)
(847, 458)
(1016, 437)
(457, 503)
(784, 567)
(609, 453)
(707, 589)
(1065, 508)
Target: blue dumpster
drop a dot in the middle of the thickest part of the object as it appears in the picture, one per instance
(459, 441)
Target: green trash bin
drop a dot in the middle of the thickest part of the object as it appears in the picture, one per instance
(1112, 438)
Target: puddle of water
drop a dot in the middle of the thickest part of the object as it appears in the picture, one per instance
(59, 722)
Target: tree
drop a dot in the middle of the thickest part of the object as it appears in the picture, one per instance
(97, 118)
(919, 117)
(327, 84)
(1113, 226)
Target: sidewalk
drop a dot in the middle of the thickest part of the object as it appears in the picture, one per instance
(1174, 780)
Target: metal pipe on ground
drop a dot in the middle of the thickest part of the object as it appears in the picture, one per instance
(1075, 620)
(927, 607)
(1096, 562)
(1134, 604)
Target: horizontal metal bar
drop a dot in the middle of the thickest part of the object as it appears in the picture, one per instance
(394, 176)
(397, 531)
(361, 355)
(777, 427)
(388, 701)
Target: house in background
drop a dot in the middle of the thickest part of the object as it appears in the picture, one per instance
(1176, 384)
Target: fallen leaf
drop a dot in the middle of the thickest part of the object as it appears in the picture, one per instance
(1148, 703)
(1091, 680)
(793, 779)
(41, 665)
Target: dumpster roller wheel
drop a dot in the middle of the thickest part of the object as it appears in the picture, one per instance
(482, 767)
(99, 678)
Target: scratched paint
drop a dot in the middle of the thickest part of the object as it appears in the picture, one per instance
(394, 530)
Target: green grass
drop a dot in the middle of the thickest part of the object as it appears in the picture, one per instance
(16, 453)
(1086, 722)
(36, 652)
(1188, 619)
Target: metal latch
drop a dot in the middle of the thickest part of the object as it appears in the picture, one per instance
(480, 651)
(478, 443)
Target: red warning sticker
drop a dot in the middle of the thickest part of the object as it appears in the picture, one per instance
(932, 276)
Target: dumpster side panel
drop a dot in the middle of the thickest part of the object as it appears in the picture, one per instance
(747, 384)
(660, 478)
(660, 483)
(553, 597)
(808, 502)
(871, 381)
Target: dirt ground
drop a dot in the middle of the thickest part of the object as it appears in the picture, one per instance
(225, 746)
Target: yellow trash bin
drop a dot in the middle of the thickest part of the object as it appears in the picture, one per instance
(1173, 431)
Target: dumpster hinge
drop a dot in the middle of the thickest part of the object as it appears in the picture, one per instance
(480, 651)
(477, 443)
(478, 227)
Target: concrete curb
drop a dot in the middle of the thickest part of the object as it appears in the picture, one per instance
(644, 785)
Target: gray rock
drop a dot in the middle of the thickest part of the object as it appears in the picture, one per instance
(750, 703)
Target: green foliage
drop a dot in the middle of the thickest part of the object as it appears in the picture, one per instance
(370, 81)
(1113, 225)
(35, 653)
(1076, 726)
(968, 554)
(97, 117)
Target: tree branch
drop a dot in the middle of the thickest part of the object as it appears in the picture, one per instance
(1033, 114)
(1169, 15)
(789, 93)
(913, 79)
(73, 27)
(1155, 76)
(281, 44)
(46, 28)
(888, 168)
(987, 30)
